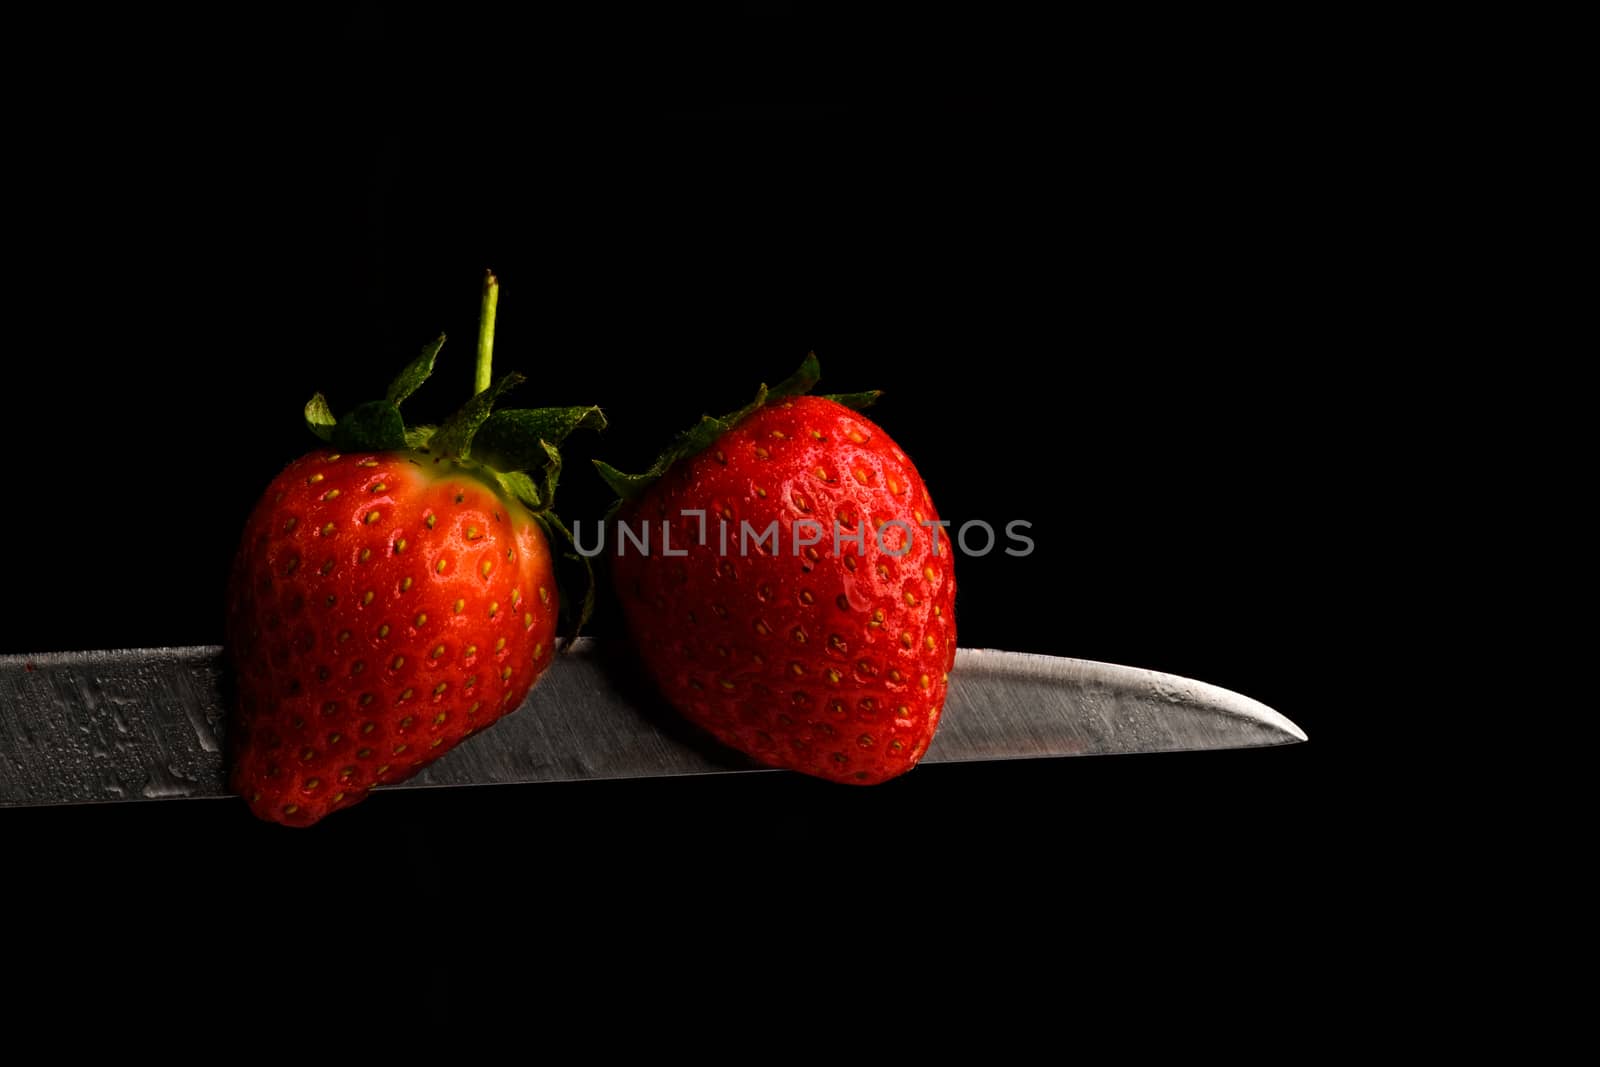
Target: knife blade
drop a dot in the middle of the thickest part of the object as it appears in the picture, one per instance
(149, 724)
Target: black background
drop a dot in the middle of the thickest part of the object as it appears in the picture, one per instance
(1108, 316)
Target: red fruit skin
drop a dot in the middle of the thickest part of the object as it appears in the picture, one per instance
(833, 664)
(382, 607)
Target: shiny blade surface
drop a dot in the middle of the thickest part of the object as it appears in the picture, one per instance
(148, 724)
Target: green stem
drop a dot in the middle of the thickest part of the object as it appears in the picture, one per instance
(491, 298)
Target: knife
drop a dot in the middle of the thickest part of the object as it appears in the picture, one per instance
(149, 724)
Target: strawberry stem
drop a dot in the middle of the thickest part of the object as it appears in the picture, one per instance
(491, 299)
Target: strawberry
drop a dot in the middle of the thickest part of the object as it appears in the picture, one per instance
(824, 651)
(393, 594)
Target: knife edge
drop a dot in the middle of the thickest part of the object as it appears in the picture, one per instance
(130, 724)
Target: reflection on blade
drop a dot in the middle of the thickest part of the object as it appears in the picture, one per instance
(1011, 705)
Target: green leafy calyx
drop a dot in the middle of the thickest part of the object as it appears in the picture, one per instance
(703, 434)
(515, 448)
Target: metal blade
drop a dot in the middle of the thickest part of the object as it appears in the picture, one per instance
(145, 724)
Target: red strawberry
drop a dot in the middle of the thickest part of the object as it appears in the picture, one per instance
(387, 601)
(824, 658)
